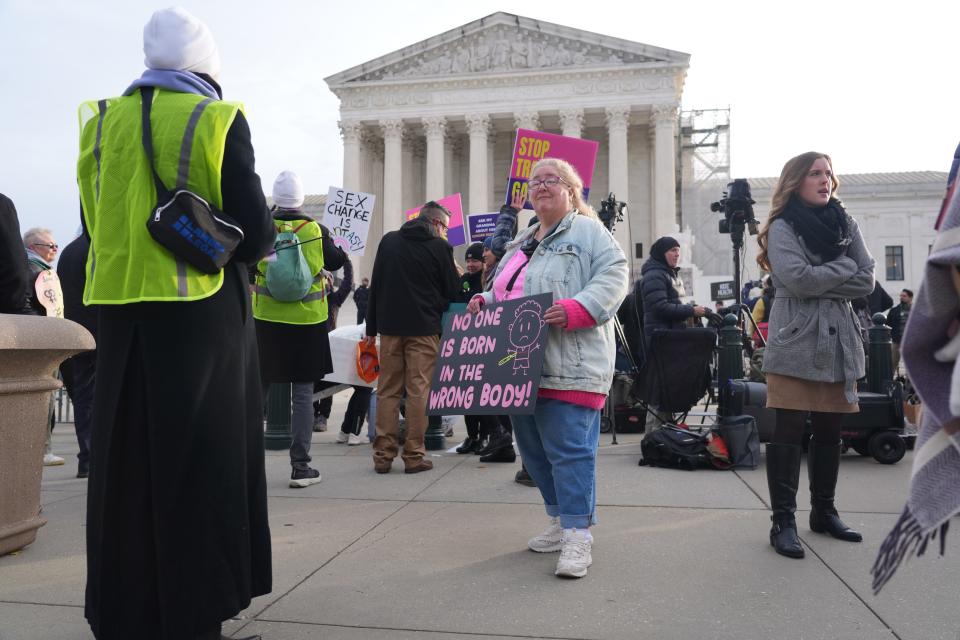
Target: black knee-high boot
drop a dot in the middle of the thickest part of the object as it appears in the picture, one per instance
(783, 478)
(823, 467)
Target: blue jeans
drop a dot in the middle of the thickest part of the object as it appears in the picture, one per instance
(558, 444)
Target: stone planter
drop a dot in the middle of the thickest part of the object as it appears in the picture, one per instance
(31, 348)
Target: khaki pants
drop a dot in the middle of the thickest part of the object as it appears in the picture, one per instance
(406, 363)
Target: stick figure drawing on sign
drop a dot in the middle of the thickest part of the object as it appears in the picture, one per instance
(524, 332)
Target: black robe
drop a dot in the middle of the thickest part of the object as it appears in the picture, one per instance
(177, 532)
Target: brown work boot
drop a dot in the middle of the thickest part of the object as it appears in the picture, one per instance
(382, 465)
(423, 465)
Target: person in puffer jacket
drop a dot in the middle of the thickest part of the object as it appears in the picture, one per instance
(662, 289)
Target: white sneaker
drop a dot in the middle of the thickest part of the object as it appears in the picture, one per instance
(548, 541)
(51, 460)
(575, 553)
(354, 440)
(343, 437)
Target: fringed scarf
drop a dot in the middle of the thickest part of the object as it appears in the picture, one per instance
(929, 348)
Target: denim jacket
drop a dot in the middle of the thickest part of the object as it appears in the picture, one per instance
(579, 260)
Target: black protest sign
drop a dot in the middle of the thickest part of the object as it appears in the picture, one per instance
(723, 290)
(490, 362)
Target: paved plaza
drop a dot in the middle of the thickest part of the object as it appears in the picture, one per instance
(442, 556)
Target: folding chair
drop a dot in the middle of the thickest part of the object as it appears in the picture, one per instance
(676, 373)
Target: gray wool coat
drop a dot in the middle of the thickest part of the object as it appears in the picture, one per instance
(814, 332)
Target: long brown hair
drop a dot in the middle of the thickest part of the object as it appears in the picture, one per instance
(572, 179)
(791, 178)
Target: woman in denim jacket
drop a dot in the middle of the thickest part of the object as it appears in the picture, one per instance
(814, 356)
(569, 253)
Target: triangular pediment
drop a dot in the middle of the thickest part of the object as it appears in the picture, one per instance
(503, 43)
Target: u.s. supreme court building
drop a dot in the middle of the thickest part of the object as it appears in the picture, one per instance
(440, 117)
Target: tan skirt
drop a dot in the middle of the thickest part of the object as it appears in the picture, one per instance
(787, 392)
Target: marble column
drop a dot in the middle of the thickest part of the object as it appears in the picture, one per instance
(527, 120)
(371, 181)
(494, 190)
(478, 127)
(618, 122)
(392, 173)
(663, 135)
(435, 129)
(418, 174)
(451, 157)
(352, 132)
(571, 122)
(408, 200)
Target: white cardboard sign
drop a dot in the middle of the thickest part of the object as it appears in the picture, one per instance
(347, 215)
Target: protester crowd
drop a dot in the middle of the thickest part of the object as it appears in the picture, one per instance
(177, 529)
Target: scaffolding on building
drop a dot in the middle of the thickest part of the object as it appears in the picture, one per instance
(703, 171)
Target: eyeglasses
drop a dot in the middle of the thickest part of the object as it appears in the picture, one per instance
(533, 185)
(49, 245)
(439, 222)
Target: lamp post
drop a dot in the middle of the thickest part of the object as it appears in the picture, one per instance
(277, 436)
(879, 350)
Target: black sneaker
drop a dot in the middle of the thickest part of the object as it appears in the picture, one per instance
(301, 478)
(496, 442)
(524, 478)
(503, 454)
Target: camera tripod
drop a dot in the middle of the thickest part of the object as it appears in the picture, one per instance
(739, 309)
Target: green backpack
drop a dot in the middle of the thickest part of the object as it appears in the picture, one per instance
(288, 275)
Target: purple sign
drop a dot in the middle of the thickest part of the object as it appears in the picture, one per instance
(481, 225)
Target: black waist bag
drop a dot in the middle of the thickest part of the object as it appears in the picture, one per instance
(185, 224)
(674, 448)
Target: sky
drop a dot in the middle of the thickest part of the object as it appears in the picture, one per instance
(874, 84)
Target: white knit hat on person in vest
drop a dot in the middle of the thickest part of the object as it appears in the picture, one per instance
(175, 39)
(288, 191)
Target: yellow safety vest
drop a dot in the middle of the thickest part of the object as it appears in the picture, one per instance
(312, 308)
(117, 191)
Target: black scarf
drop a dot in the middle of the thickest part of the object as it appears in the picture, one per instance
(825, 230)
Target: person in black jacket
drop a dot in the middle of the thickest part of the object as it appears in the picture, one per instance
(413, 282)
(361, 298)
(322, 408)
(897, 321)
(662, 289)
(485, 435)
(879, 300)
(79, 372)
(15, 281)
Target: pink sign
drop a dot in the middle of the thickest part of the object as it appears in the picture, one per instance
(455, 234)
(531, 146)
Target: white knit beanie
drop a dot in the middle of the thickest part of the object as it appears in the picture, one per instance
(288, 190)
(174, 39)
